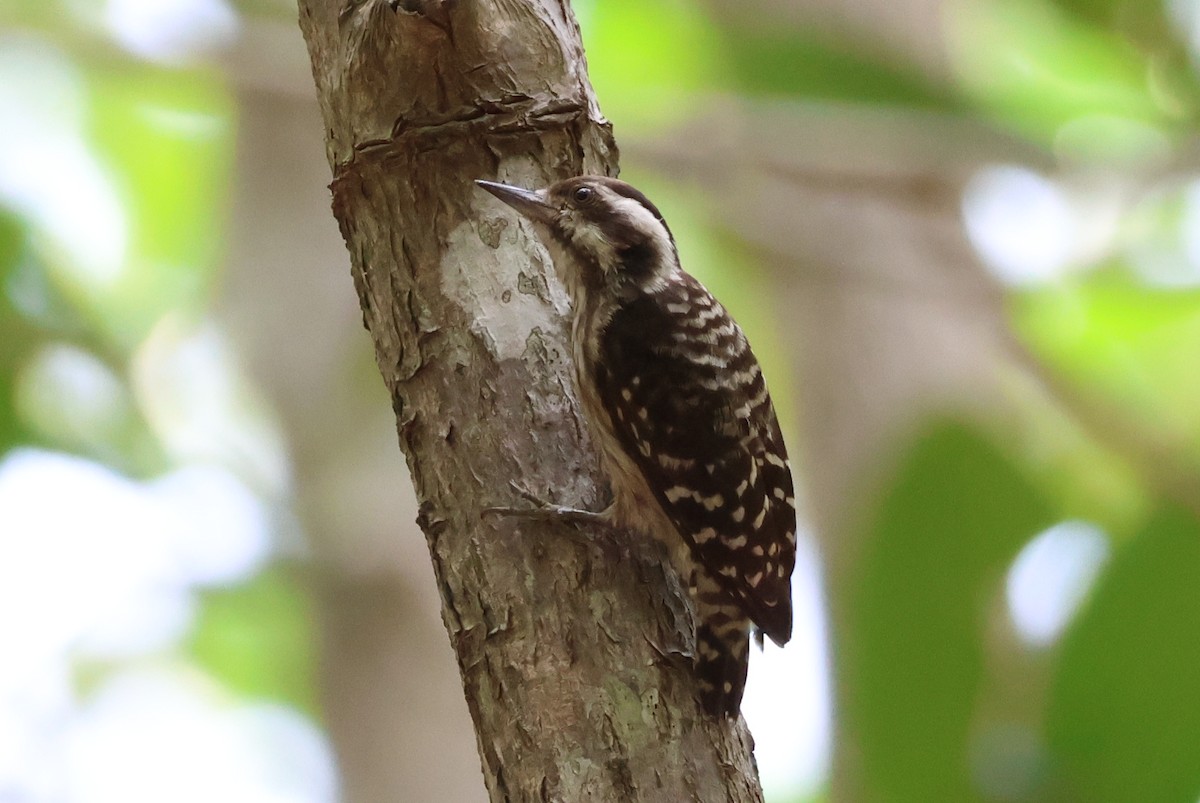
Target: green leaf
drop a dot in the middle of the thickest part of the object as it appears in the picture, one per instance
(1124, 718)
(953, 517)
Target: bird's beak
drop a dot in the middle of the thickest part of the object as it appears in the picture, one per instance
(530, 203)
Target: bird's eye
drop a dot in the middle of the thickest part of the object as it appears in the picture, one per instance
(583, 194)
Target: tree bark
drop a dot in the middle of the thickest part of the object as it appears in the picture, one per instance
(574, 647)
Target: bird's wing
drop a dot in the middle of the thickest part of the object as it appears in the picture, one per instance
(689, 403)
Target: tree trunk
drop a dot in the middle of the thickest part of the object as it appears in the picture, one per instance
(574, 648)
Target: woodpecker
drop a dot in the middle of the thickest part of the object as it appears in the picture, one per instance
(677, 404)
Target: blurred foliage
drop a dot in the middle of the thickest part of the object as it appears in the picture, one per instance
(257, 638)
(1133, 345)
(1100, 88)
(780, 64)
(1035, 68)
(115, 183)
(941, 698)
(669, 51)
(953, 517)
(166, 137)
(1124, 711)
(13, 336)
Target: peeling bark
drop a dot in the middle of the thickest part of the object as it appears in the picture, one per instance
(573, 646)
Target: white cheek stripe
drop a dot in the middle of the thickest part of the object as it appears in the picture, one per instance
(643, 218)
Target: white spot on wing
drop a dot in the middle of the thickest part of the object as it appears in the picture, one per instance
(678, 492)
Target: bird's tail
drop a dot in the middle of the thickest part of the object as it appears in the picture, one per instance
(722, 653)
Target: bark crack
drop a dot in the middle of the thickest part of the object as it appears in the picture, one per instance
(495, 117)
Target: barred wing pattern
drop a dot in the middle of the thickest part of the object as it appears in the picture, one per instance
(688, 402)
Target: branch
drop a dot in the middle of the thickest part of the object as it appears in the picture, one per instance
(574, 651)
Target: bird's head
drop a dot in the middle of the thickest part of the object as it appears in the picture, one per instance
(604, 229)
